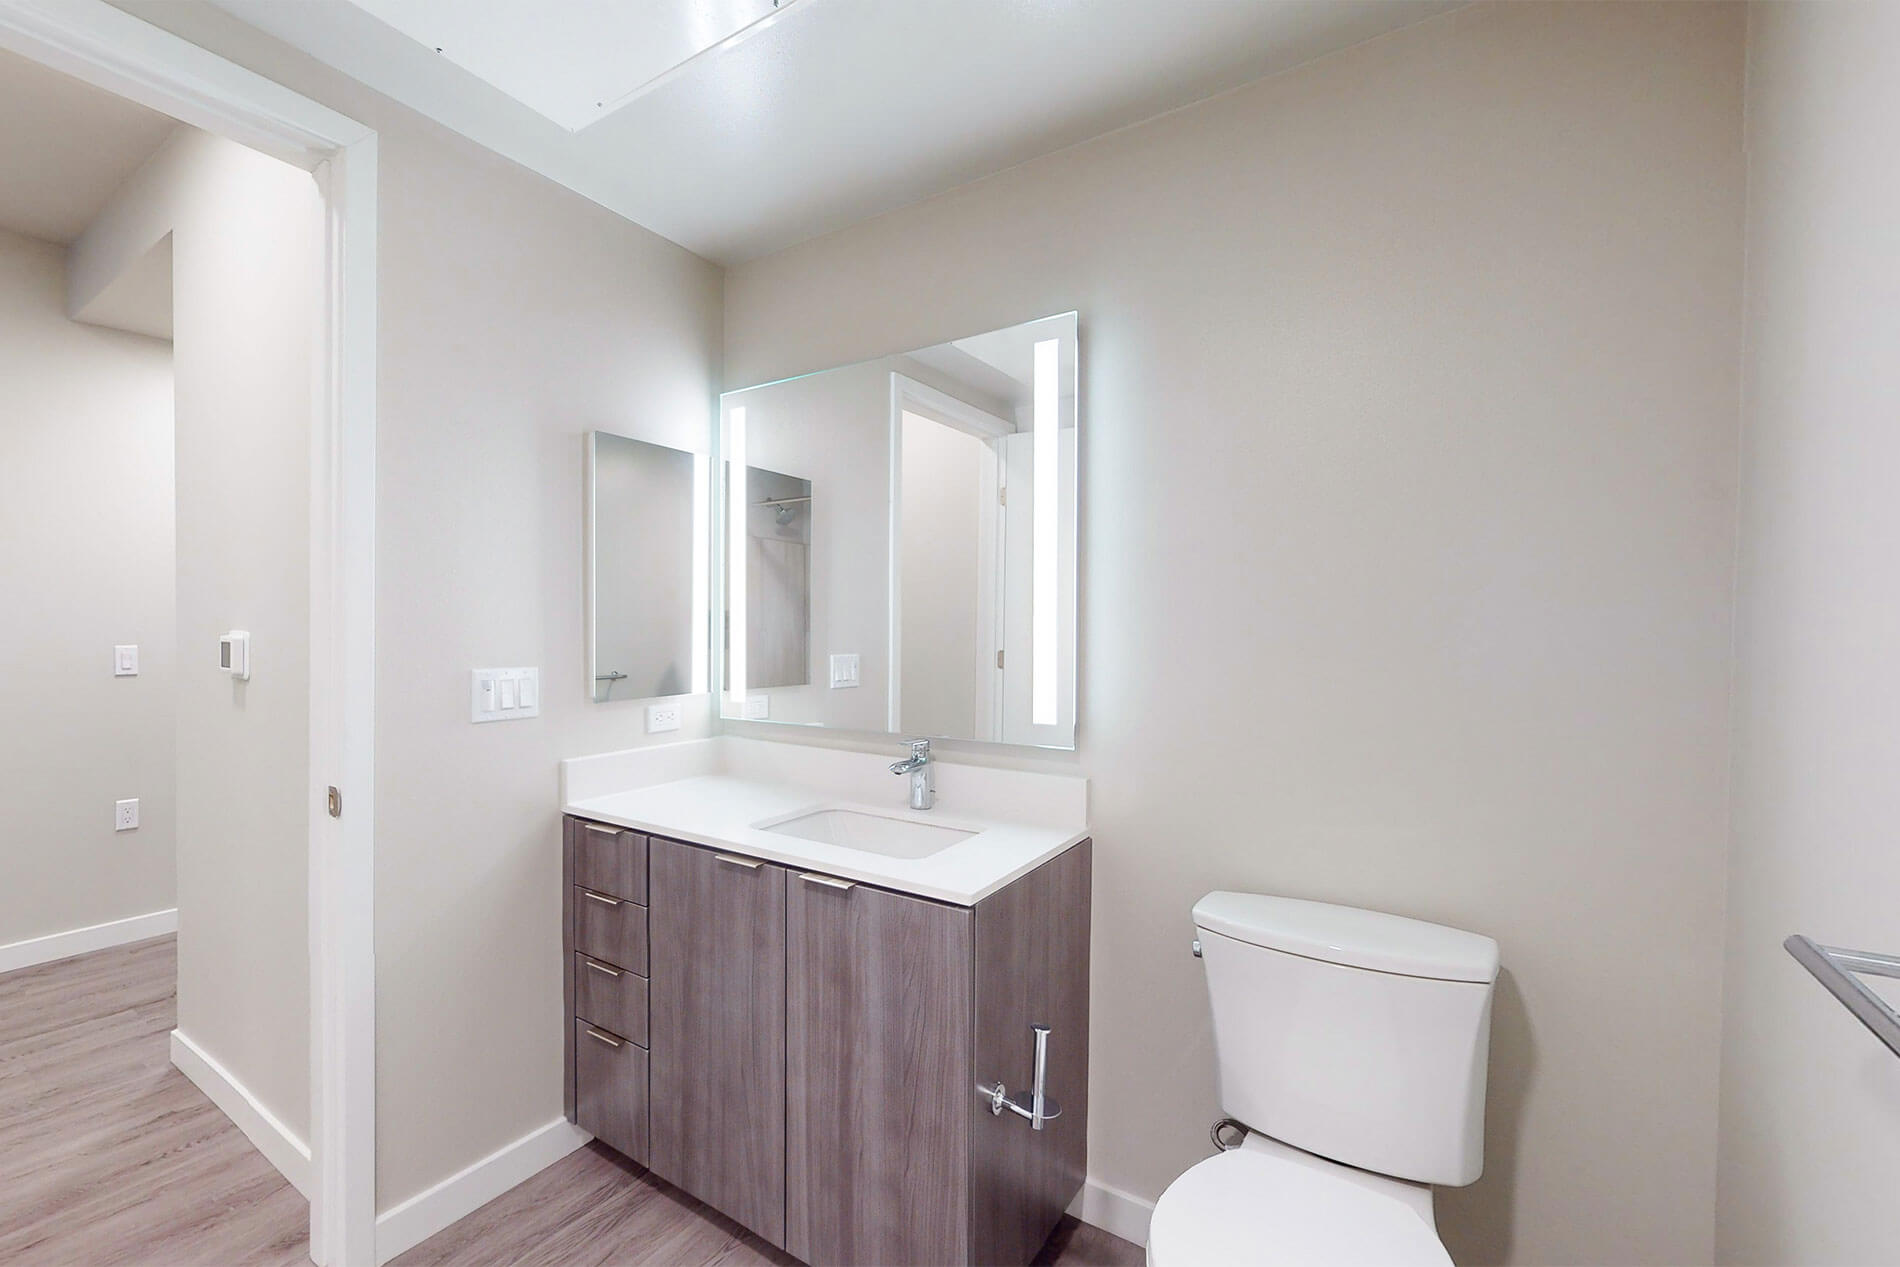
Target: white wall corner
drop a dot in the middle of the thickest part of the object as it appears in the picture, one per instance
(82, 941)
(1120, 1213)
(272, 1138)
(411, 1222)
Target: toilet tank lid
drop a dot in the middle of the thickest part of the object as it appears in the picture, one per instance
(1350, 936)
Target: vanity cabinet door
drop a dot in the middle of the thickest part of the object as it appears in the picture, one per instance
(717, 1030)
(879, 1081)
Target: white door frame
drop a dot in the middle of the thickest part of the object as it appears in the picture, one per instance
(113, 50)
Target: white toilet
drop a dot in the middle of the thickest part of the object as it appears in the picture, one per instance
(1352, 1046)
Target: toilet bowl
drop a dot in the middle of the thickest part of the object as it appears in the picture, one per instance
(1265, 1204)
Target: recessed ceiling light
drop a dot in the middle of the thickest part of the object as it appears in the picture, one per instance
(574, 61)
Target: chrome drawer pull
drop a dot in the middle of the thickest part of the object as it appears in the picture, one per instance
(829, 882)
(601, 967)
(601, 829)
(750, 864)
(611, 1042)
(602, 898)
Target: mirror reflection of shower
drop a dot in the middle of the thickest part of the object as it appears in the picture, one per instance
(777, 579)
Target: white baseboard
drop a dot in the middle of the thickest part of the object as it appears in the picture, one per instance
(404, 1226)
(1112, 1210)
(81, 941)
(281, 1148)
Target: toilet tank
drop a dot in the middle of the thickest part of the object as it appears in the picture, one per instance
(1355, 1035)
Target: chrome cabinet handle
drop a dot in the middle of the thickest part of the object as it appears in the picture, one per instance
(750, 864)
(601, 967)
(829, 882)
(602, 898)
(1041, 1108)
(611, 1042)
(601, 829)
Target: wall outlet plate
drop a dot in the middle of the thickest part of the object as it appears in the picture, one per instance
(126, 815)
(844, 670)
(663, 717)
(758, 707)
(125, 660)
(503, 694)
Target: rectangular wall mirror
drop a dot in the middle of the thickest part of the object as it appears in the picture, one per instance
(648, 569)
(898, 542)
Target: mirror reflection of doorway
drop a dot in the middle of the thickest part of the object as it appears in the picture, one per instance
(952, 564)
(954, 577)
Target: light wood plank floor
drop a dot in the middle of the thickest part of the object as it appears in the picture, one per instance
(594, 1208)
(108, 1155)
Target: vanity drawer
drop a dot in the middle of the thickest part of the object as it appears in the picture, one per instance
(610, 1089)
(610, 998)
(610, 860)
(610, 929)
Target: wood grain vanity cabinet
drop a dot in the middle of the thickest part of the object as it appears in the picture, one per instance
(605, 982)
(718, 1069)
(813, 1056)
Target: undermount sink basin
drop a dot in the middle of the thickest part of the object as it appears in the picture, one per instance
(871, 833)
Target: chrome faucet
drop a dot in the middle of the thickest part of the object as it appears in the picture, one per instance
(923, 776)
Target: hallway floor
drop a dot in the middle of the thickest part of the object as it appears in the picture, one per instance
(108, 1155)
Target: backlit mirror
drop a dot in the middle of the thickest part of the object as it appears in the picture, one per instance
(898, 542)
(648, 564)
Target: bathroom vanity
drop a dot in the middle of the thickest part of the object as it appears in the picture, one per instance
(809, 1035)
(850, 1011)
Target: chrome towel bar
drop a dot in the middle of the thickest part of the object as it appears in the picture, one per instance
(1836, 969)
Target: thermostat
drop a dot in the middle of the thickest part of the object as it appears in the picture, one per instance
(234, 654)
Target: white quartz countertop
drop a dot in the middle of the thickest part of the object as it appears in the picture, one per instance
(725, 807)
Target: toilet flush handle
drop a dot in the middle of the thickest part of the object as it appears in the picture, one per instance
(1197, 947)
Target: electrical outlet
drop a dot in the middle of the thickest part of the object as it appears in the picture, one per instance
(663, 717)
(127, 817)
(758, 707)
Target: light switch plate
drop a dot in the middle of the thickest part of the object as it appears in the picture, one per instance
(125, 660)
(503, 694)
(844, 670)
(663, 717)
(126, 815)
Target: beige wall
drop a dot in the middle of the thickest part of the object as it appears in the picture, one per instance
(1810, 1140)
(85, 563)
(514, 318)
(1408, 467)
(247, 266)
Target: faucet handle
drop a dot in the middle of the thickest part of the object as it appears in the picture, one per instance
(920, 749)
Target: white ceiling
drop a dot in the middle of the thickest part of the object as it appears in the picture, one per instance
(65, 147)
(830, 112)
(577, 61)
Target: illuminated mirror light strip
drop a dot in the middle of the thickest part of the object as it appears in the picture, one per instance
(1043, 701)
(737, 498)
(701, 633)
